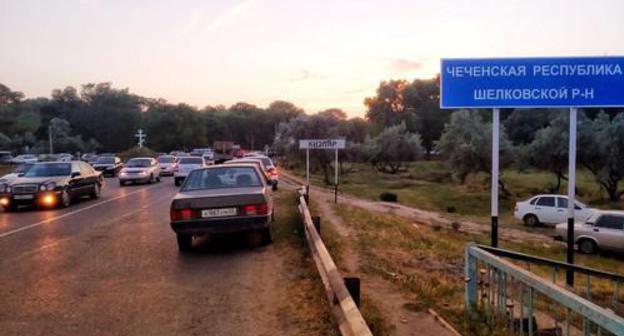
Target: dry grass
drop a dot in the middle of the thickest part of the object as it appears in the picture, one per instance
(307, 310)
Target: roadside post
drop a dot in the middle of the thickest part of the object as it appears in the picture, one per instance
(538, 82)
(326, 144)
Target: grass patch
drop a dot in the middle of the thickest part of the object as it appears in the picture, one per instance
(429, 185)
(307, 308)
(429, 262)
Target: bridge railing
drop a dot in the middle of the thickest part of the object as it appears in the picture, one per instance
(516, 298)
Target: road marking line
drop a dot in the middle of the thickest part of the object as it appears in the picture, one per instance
(30, 226)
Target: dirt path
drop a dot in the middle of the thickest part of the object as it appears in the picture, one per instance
(430, 217)
(395, 305)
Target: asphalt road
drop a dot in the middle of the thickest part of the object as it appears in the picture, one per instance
(111, 267)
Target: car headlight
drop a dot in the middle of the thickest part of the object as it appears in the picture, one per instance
(4, 187)
(50, 186)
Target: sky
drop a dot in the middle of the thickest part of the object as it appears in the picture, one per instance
(316, 54)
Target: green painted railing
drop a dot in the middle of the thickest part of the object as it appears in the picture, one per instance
(500, 287)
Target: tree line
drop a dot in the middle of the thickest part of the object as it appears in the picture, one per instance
(99, 117)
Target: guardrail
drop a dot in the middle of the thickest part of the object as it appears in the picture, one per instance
(349, 319)
(499, 287)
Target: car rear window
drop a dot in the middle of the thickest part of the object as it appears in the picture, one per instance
(105, 160)
(222, 177)
(191, 160)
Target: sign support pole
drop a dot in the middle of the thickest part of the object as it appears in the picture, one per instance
(571, 193)
(336, 178)
(495, 167)
(308, 166)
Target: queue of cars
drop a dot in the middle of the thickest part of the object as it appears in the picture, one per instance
(230, 197)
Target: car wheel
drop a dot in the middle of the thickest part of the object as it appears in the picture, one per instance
(122, 183)
(158, 179)
(95, 194)
(65, 199)
(587, 246)
(531, 220)
(266, 237)
(176, 182)
(185, 242)
(274, 187)
(151, 179)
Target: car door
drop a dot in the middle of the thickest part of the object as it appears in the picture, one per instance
(580, 214)
(88, 178)
(609, 231)
(545, 209)
(76, 182)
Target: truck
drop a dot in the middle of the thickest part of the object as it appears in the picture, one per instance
(226, 150)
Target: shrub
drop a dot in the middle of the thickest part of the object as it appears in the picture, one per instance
(136, 152)
(388, 197)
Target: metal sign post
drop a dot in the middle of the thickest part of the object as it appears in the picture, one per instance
(495, 154)
(571, 194)
(544, 82)
(336, 178)
(334, 144)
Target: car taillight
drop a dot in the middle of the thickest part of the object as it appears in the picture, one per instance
(273, 172)
(183, 214)
(255, 209)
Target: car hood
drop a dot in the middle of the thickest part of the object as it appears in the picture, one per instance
(41, 180)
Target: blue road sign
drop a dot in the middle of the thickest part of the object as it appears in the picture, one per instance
(532, 82)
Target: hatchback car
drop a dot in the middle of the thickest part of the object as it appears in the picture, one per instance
(604, 230)
(549, 209)
(219, 199)
(140, 170)
(51, 184)
(185, 166)
(108, 165)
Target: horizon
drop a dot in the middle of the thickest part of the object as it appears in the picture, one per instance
(259, 51)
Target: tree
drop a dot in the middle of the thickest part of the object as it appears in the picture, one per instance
(601, 151)
(172, 127)
(522, 124)
(9, 97)
(394, 147)
(466, 143)
(416, 104)
(549, 149)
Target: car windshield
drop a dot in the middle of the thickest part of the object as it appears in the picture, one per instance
(166, 159)
(191, 160)
(105, 160)
(49, 169)
(222, 177)
(138, 163)
(22, 169)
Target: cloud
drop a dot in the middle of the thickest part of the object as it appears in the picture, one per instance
(307, 75)
(230, 15)
(402, 64)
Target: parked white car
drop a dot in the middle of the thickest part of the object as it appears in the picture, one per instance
(185, 166)
(604, 230)
(25, 158)
(549, 209)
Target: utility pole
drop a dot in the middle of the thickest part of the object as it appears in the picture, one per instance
(50, 138)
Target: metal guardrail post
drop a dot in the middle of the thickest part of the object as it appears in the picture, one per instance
(471, 281)
(317, 224)
(353, 286)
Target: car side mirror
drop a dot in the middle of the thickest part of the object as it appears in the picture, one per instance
(75, 174)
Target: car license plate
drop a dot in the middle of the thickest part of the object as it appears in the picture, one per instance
(23, 197)
(218, 212)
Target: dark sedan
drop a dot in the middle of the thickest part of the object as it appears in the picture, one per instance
(51, 184)
(108, 165)
(219, 199)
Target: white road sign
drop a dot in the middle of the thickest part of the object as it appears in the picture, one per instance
(322, 144)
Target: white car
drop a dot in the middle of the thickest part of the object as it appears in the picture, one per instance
(140, 170)
(549, 209)
(168, 163)
(25, 158)
(602, 230)
(185, 166)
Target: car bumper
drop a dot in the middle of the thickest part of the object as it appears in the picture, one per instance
(137, 179)
(44, 199)
(106, 172)
(220, 225)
